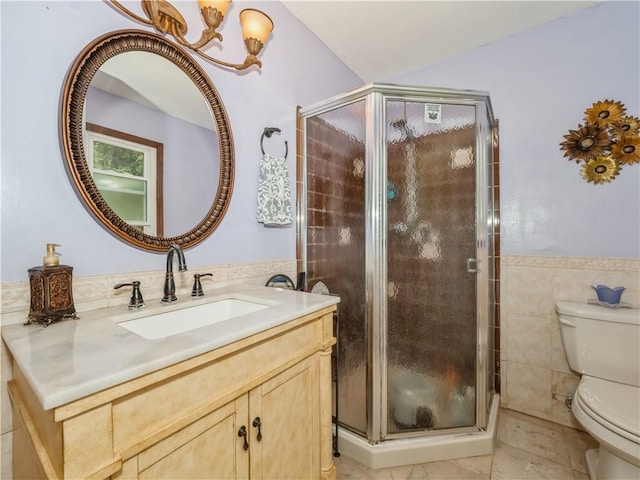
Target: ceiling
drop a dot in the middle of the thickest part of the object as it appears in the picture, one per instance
(380, 39)
(148, 79)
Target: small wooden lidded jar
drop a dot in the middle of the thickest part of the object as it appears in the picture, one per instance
(51, 294)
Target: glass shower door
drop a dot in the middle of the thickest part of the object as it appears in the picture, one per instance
(335, 242)
(431, 329)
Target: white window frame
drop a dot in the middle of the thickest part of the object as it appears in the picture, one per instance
(152, 153)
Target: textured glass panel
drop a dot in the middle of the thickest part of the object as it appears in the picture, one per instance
(431, 305)
(336, 242)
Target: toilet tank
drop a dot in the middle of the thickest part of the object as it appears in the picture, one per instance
(600, 341)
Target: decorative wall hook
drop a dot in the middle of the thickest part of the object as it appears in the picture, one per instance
(607, 140)
(268, 131)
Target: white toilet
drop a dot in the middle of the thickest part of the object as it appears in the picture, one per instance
(603, 345)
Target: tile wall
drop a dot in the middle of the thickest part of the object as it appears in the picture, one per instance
(91, 293)
(535, 376)
(494, 234)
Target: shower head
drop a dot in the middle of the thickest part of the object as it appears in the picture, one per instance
(401, 124)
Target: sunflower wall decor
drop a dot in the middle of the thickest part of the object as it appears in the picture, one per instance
(608, 139)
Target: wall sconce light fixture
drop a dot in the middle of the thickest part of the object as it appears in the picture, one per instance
(164, 17)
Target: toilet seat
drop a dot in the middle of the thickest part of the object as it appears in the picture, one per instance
(591, 405)
(615, 406)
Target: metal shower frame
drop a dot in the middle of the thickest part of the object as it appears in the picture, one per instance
(376, 96)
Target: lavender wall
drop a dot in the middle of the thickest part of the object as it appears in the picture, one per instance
(541, 81)
(40, 41)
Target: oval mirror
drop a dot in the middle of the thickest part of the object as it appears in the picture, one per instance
(147, 140)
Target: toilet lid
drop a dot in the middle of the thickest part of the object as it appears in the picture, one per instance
(615, 403)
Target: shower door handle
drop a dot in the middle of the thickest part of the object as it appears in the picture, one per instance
(472, 265)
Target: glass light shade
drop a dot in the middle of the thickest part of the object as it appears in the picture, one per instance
(255, 24)
(220, 5)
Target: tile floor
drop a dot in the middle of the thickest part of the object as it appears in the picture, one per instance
(526, 448)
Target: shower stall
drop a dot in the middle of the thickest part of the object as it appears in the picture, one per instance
(395, 215)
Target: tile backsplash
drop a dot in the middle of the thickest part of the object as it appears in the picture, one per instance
(91, 293)
(535, 376)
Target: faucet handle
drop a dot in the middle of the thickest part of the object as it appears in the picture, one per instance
(136, 300)
(197, 286)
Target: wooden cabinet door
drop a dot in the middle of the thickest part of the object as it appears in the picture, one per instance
(288, 410)
(206, 449)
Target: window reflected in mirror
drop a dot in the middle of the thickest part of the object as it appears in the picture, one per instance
(127, 170)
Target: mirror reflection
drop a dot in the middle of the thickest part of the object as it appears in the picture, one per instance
(147, 141)
(151, 143)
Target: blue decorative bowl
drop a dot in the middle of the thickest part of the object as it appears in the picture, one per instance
(608, 295)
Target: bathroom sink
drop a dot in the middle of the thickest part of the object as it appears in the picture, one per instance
(165, 324)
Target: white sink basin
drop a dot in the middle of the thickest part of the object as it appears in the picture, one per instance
(165, 324)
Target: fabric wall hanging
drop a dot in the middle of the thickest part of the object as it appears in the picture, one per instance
(274, 191)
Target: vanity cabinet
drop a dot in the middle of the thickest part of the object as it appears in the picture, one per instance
(188, 420)
(204, 449)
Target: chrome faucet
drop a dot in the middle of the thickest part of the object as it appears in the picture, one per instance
(169, 285)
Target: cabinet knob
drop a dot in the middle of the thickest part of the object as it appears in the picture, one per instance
(257, 424)
(243, 433)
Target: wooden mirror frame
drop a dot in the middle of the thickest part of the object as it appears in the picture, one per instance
(87, 63)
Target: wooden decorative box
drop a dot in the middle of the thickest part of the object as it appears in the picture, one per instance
(51, 294)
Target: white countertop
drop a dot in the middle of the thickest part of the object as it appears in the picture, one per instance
(71, 359)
